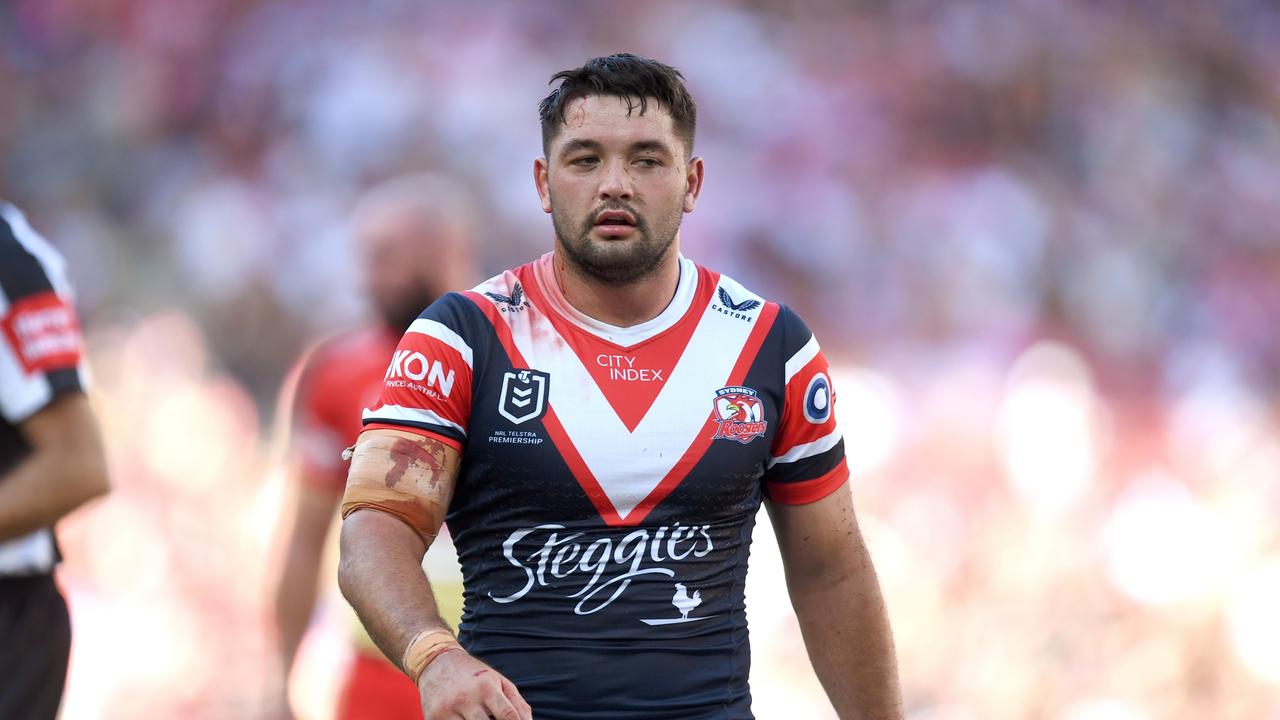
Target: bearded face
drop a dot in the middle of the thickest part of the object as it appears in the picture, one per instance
(616, 184)
(615, 244)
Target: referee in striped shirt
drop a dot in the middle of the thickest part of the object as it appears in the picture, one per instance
(51, 462)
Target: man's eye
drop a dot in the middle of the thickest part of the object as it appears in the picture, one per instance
(584, 160)
(648, 162)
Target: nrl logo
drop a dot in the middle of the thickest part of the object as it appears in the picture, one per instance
(738, 414)
(513, 303)
(524, 395)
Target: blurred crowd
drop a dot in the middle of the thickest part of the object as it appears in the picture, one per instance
(1040, 239)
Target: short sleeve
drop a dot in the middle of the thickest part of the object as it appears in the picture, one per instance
(41, 348)
(316, 441)
(807, 460)
(427, 386)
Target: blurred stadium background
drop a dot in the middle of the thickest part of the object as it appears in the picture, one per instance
(1040, 239)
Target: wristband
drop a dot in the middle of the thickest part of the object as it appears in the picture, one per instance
(425, 647)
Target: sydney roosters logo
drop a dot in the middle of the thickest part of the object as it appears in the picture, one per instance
(738, 414)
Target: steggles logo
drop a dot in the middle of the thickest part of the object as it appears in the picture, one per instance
(609, 566)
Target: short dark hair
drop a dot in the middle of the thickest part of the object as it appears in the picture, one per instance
(635, 79)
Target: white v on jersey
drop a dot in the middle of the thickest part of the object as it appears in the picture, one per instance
(611, 478)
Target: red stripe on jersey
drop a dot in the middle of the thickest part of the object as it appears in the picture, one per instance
(697, 448)
(630, 378)
(764, 321)
(794, 429)
(429, 374)
(555, 430)
(417, 431)
(807, 491)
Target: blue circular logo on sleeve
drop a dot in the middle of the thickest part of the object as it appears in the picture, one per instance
(817, 400)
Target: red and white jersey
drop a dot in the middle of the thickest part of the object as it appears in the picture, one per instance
(336, 380)
(41, 357)
(611, 478)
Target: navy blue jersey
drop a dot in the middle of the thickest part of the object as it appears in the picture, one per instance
(610, 481)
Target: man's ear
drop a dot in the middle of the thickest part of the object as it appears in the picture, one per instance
(542, 182)
(693, 183)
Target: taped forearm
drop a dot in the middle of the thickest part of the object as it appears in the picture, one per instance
(406, 476)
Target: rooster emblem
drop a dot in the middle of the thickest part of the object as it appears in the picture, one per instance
(515, 300)
(684, 602)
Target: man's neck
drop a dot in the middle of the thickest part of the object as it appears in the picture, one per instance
(619, 305)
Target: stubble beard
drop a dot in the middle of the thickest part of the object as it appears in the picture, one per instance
(614, 262)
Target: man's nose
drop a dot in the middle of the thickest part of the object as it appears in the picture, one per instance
(616, 182)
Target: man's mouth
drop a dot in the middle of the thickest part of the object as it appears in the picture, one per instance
(615, 219)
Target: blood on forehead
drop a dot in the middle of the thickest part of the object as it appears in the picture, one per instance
(575, 116)
(579, 110)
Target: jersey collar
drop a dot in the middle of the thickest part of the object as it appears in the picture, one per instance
(686, 289)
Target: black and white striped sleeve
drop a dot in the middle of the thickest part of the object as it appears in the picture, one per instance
(41, 349)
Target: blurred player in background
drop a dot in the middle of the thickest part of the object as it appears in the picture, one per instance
(413, 235)
(51, 462)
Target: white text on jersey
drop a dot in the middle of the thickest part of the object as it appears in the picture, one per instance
(415, 366)
(622, 367)
(612, 565)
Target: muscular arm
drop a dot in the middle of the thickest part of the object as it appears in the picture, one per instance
(398, 489)
(837, 599)
(66, 468)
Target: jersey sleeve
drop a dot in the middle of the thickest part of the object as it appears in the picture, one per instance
(427, 386)
(41, 348)
(316, 441)
(807, 460)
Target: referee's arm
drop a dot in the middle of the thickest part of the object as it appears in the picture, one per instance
(42, 383)
(65, 469)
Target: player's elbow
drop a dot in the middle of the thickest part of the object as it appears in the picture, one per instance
(354, 569)
(841, 567)
(371, 545)
(347, 580)
(348, 561)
